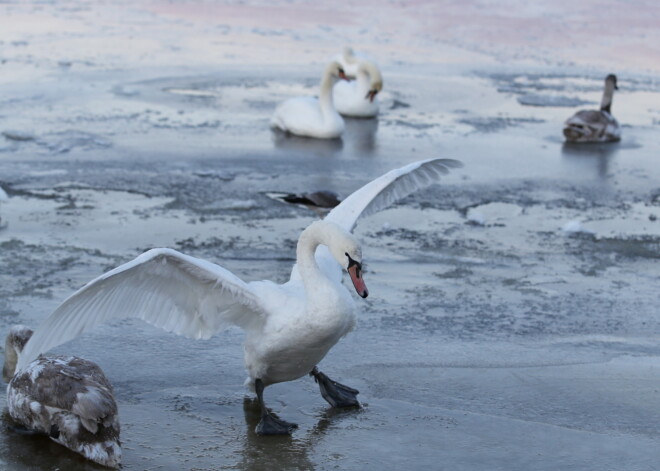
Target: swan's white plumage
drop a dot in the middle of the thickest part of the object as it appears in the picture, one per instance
(289, 328)
(3, 195)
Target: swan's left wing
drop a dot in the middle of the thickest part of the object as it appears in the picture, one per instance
(178, 293)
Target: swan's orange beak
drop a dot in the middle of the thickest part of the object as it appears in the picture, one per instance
(371, 95)
(343, 76)
(355, 271)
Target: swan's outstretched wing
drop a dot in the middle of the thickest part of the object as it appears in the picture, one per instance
(376, 196)
(163, 287)
(384, 191)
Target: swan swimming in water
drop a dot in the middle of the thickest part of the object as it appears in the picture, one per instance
(595, 125)
(67, 398)
(289, 328)
(358, 98)
(313, 117)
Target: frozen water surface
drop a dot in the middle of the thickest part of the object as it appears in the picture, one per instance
(513, 320)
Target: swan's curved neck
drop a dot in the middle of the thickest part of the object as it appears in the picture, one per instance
(368, 76)
(305, 255)
(325, 95)
(606, 102)
(363, 78)
(9, 367)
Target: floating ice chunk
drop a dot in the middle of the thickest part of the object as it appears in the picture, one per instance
(495, 213)
(231, 204)
(475, 217)
(551, 100)
(575, 226)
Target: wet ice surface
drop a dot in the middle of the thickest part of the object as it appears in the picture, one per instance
(512, 318)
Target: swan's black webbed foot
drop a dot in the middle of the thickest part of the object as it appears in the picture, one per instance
(269, 424)
(335, 393)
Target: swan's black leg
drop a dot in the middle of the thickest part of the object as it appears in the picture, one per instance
(20, 430)
(335, 393)
(269, 424)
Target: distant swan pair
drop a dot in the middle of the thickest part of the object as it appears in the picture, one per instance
(289, 328)
(320, 117)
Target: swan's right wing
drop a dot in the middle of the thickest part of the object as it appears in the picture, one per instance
(387, 189)
(178, 293)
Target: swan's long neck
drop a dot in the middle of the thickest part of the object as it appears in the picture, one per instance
(9, 367)
(317, 279)
(305, 254)
(368, 76)
(606, 102)
(16, 339)
(325, 95)
(363, 79)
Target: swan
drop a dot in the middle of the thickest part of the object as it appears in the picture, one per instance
(358, 99)
(67, 398)
(595, 125)
(313, 117)
(289, 328)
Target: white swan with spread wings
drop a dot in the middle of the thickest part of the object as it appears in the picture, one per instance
(289, 327)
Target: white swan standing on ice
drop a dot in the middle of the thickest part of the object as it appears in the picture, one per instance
(595, 125)
(68, 399)
(310, 116)
(358, 98)
(289, 328)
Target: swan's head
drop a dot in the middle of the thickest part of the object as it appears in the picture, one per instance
(375, 79)
(611, 81)
(335, 71)
(373, 91)
(346, 250)
(343, 246)
(17, 337)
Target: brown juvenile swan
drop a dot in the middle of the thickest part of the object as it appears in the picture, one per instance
(67, 398)
(595, 125)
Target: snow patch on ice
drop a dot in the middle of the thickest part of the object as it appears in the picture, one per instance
(574, 227)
